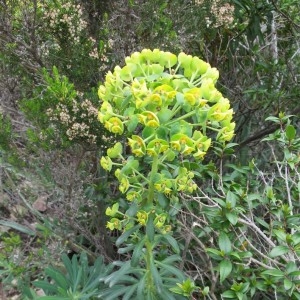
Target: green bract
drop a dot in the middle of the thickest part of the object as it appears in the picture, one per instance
(168, 108)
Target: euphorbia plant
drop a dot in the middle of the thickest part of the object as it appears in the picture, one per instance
(171, 113)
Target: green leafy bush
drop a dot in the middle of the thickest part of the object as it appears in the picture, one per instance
(64, 116)
(245, 223)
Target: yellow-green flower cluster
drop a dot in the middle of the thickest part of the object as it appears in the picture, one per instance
(156, 90)
(160, 223)
(179, 181)
(169, 110)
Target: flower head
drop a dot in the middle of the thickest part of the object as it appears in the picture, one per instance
(124, 185)
(157, 146)
(133, 195)
(106, 163)
(114, 223)
(142, 217)
(137, 145)
(114, 125)
(160, 220)
(148, 118)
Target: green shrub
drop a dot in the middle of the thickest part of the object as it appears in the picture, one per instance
(243, 227)
(64, 116)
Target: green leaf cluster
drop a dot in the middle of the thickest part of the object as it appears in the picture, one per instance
(79, 281)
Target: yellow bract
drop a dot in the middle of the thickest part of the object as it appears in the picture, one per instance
(148, 118)
(114, 125)
(137, 145)
(168, 109)
(142, 217)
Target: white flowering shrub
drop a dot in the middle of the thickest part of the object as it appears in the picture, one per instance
(220, 13)
(70, 43)
(65, 116)
(66, 19)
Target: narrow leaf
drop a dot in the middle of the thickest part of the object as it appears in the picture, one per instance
(17, 226)
(141, 288)
(137, 253)
(166, 295)
(156, 276)
(117, 276)
(114, 292)
(150, 228)
(58, 277)
(126, 235)
(126, 249)
(130, 292)
(52, 298)
(172, 259)
(67, 263)
(46, 286)
(165, 268)
(173, 243)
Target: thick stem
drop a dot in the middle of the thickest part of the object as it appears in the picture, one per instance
(153, 172)
(148, 243)
(149, 258)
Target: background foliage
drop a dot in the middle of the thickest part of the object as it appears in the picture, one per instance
(239, 236)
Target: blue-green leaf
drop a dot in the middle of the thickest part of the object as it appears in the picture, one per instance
(164, 115)
(17, 226)
(156, 276)
(137, 254)
(167, 268)
(173, 243)
(46, 286)
(58, 277)
(126, 235)
(150, 230)
(52, 298)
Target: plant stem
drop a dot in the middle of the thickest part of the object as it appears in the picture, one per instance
(148, 243)
(153, 172)
(189, 114)
(149, 258)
